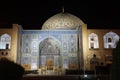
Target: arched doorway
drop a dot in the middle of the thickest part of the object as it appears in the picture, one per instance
(49, 53)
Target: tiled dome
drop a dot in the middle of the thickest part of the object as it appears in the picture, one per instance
(62, 21)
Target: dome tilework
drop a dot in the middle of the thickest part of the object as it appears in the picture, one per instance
(62, 21)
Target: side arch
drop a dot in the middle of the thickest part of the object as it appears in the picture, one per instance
(110, 40)
(5, 41)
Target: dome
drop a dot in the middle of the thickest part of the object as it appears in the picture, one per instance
(62, 21)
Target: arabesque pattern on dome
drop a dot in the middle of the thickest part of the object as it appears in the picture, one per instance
(62, 21)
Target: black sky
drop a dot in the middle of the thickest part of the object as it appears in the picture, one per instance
(31, 15)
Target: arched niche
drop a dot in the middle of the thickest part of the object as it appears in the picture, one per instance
(110, 40)
(5, 41)
(93, 41)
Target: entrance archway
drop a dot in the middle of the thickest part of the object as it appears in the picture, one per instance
(49, 53)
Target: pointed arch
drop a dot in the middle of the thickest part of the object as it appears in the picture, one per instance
(93, 41)
(49, 43)
(110, 40)
(49, 50)
(5, 41)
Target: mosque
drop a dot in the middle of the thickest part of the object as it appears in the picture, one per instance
(64, 42)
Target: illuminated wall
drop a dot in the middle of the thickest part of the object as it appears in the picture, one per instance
(103, 52)
(9, 42)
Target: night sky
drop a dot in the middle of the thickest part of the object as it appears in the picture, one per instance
(31, 15)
